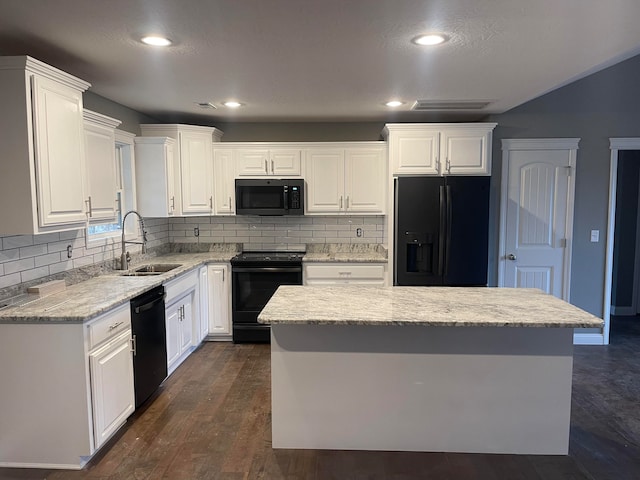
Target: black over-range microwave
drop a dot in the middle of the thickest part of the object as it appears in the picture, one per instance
(270, 197)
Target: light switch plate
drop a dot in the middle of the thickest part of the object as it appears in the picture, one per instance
(595, 236)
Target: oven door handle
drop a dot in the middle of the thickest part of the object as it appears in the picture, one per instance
(266, 269)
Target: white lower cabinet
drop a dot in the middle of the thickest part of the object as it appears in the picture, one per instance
(219, 295)
(112, 388)
(181, 313)
(344, 273)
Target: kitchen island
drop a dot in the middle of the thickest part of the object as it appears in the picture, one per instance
(442, 369)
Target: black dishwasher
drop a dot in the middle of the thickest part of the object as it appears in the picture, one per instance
(150, 343)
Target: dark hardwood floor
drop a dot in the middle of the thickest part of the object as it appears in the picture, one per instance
(211, 420)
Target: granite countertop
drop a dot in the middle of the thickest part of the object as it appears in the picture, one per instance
(430, 306)
(346, 253)
(86, 300)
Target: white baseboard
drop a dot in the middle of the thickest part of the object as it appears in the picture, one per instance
(588, 339)
(52, 466)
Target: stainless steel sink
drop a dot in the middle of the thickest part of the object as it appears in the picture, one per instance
(154, 269)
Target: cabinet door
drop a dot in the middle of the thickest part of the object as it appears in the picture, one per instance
(252, 162)
(112, 390)
(186, 323)
(102, 181)
(224, 182)
(173, 316)
(466, 151)
(364, 178)
(219, 298)
(325, 181)
(59, 153)
(196, 173)
(285, 162)
(203, 295)
(415, 151)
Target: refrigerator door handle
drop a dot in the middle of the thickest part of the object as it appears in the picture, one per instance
(441, 238)
(448, 228)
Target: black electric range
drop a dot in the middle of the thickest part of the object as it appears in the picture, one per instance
(255, 278)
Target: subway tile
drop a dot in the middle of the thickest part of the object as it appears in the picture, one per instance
(47, 259)
(72, 235)
(9, 280)
(17, 241)
(9, 255)
(19, 265)
(46, 238)
(61, 267)
(350, 220)
(338, 227)
(34, 274)
(82, 261)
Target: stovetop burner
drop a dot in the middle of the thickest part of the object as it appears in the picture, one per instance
(268, 257)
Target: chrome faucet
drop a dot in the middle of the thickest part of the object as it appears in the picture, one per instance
(125, 258)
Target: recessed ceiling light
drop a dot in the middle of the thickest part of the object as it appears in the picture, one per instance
(232, 104)
(394, 103)
(429, 39)
(156, 41)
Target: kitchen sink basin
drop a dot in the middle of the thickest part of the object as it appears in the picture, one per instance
(148, 270)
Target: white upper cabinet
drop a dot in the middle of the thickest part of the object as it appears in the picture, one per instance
(345, 180)
(42, 147)
(440, 148)
(194, 158)
(224, 182)
(283, 162)
(102, 175)
(155, 176)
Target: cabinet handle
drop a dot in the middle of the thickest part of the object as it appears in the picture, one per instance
(273, 170)
(340, 202)
(223, 274)
(119, 204)
(133, 345)
(115, 325)
(438, 164)
(211, 203)
(230, 206)
(88, 202)
(266, 166)
(448, 166)
(173, 204)
(347, 203)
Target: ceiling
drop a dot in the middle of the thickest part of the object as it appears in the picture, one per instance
(329, 60)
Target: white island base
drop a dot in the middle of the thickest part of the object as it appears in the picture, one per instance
(421, 388)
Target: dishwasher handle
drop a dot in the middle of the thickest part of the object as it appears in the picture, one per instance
(149, 305)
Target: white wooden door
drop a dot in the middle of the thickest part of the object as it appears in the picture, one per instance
(285, 162)
(173, 315)
(102, 181)
(252, 162)
(196, 166)
(112, 389)
(364, 178)
(219, 319)
(59, 152)
(538, 220)
(466, 151)
(224, 182)
(325, 181)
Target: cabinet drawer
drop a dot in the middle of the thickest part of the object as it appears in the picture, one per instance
(109, 325)
(178, 286)
(345, 272)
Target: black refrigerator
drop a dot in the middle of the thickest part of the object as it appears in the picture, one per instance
(441, 231)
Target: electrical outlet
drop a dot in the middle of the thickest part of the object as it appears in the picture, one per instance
(69, 251)
(595, 236)
(196, 232)
(358, 232)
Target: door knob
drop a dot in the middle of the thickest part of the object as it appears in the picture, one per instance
(511, 256)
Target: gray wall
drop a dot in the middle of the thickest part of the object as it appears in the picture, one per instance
(603, 105)
(130, 119)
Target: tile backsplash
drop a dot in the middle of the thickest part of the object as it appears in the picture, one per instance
(277, 233)
(28, 259)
